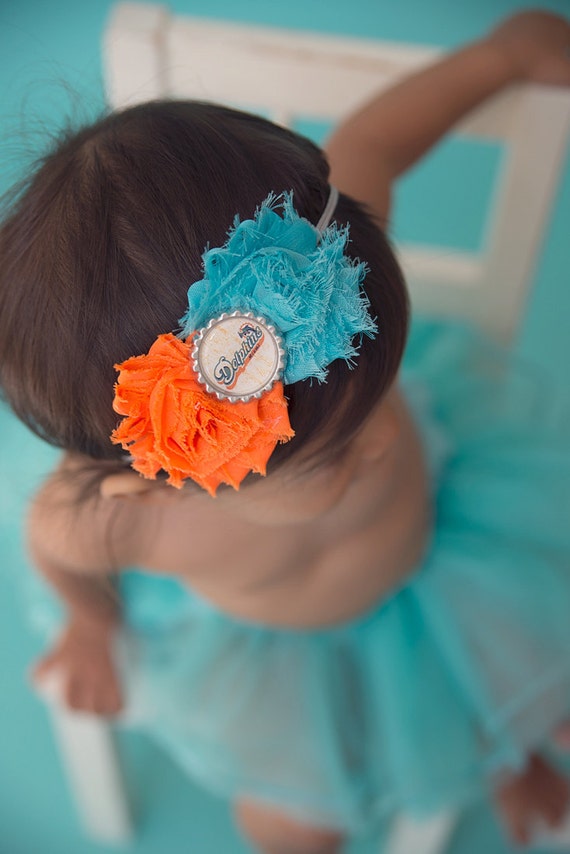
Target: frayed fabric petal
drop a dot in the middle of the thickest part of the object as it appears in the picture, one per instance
(173, 424)
(280, 267)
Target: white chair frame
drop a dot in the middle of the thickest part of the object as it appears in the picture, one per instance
(290, 75)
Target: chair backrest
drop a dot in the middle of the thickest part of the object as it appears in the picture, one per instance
(290, 75)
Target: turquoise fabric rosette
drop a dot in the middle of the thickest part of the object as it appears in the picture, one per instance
(279, 266)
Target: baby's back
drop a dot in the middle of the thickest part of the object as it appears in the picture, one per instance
(300, 550)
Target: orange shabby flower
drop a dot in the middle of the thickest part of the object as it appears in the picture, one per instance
(173, 423)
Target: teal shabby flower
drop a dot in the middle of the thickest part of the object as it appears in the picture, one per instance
(280, 267)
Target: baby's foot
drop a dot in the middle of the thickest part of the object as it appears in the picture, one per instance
(538, 795)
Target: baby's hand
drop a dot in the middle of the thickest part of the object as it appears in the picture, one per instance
(82, 659)
(539, 795)
(537, 45)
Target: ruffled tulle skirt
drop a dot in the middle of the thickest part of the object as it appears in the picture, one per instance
(435, 691)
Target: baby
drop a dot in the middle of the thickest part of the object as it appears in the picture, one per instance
(315, 643)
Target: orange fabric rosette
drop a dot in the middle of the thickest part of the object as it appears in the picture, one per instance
(173, 423)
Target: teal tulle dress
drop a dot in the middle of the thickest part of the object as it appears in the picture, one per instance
(435, 691)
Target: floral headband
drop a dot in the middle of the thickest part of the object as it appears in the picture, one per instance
(278, 303)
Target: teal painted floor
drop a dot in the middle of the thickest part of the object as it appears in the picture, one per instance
(50, 69)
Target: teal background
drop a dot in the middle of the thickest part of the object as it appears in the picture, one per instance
(49, 73)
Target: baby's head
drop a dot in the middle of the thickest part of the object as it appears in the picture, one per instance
(98, 252)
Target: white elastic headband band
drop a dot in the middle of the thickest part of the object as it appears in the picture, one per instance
(329, 210)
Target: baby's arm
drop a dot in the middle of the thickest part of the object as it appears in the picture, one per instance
(67, 551)
(388, 135)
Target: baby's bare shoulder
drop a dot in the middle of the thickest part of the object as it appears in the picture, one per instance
(70, 525)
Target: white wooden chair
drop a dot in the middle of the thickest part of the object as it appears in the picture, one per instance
(290, 75)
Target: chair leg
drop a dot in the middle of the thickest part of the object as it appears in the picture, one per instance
(92, 768)
(428, 836)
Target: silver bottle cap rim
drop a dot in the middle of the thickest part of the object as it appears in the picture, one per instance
(238, 356)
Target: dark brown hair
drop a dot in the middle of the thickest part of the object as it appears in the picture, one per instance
(98, 251)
